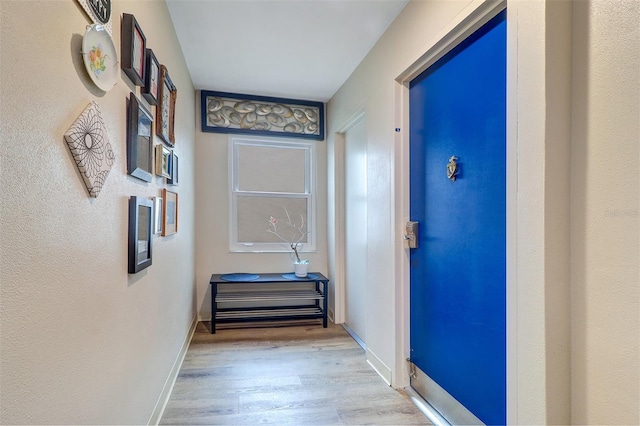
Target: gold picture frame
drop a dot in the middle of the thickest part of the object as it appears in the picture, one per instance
(163, 161)
(169, 213)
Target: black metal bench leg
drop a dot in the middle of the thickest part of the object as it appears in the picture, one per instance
(214, 292)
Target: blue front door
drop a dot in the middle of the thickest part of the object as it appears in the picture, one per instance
(458, 271)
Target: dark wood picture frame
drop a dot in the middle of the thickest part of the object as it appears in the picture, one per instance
(139, 140)
(133, 49)
(173, 169)
(151, 88)
(140, 233)
(166, 109)
(169, 213)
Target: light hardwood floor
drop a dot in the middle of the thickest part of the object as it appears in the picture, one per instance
(293, 375)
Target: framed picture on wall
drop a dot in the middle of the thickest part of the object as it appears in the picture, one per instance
(170, 212)
(140, 223)
(157, 215)
(166, 110)
(163, 155)
(139, 140)
(133, 49)
(152, 79)
(173, 169)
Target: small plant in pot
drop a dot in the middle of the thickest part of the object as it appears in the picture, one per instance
(296, 234)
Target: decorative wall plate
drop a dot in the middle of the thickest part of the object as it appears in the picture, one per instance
(89, 144)
(100, 57)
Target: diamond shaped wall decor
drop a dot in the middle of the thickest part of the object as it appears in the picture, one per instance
(89, 144)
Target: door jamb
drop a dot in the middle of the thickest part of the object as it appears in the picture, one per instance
(340, 267)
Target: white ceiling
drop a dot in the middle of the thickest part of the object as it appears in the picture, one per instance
(301, 49)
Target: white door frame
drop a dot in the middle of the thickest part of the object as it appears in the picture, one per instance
(340, 313)
(471, 19)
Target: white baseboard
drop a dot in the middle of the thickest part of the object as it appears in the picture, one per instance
(173, 375)
(354, 336)
(380, 367)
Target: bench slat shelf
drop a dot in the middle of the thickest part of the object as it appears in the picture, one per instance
(269, 313)
(264, 296)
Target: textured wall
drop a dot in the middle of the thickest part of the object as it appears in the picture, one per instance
(81, 340)
(605, 200)
(557, 209)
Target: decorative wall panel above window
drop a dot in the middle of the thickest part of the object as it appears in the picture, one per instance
(260, 115)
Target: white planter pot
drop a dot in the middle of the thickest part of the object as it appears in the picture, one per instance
(301, 268)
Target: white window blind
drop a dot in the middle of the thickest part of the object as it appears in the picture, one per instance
(271, 178)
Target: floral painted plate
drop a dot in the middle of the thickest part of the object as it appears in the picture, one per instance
(100, 57)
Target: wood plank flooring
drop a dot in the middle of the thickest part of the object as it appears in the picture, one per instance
(293, 375)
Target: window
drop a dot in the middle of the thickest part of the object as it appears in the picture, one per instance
(271, 178)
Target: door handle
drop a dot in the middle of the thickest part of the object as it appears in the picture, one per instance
(411, 234)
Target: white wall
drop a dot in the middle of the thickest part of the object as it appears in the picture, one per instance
(605, 202)
(212, 218)
(81, 340)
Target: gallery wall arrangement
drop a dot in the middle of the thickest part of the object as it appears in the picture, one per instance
(88, 139)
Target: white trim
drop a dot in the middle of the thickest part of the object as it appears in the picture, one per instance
(339, 224)
(474, 16)
(402, 215)
(340, 205)
(468, 21)
(401, 250)
(164, 396)
(354, 336)
(331, 316)
(512, 205)
(352, 120)
(380, 367)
